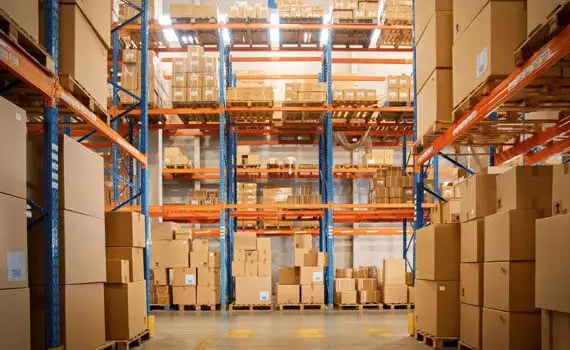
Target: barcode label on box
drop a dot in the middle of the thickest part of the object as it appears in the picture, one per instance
(482, 62)
(190, 280)
(16, 266)
(317, 276)
(264, 295)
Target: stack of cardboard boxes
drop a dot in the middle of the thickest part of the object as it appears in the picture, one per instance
(349, 96)
(376, 157)
(291, 9)
(204, 197)
(247, 95)
(184, 13)
(14, 292)
(313, 92)
(276, 195)
(251, 268)
(173, 157)
(346, 11)
(396, 11)
(241, 11)
(126, 11)
(394, 287)
(194, 77)
(356, 286)
(399, 88)
(389, 185)
(131, 79)
(247, 194)
(125, 290)
(305, 196)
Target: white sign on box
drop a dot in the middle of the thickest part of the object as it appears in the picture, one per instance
(482, 62)
(190, 280)
(16, 266)
(264, 295)
(318, 276)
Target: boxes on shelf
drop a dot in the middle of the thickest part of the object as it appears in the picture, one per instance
(247, 95)
(396, 12)
(394, 288)
(252, 259)
(204, 197)
(398, 88)
(243, 11)
(174, 157)
(435, 101)
(181, 13)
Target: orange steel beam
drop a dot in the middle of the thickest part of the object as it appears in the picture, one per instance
(549, 151)
(261, 26)
(371, 231)
(336, 77)
(288, 49)
(237, 59)
(218, 110)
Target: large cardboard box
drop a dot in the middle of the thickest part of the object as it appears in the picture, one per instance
(425, 11)
(289, 275)
(552, 261)
(124, 229)
(303, 241)
(118, 271)
(208, 295)
(471, 283)
(435, 100)
(366, 284)
(437, 307)
(245, 241)
(16, 328)
(346, 297)
(486, 47)
(537, 11)
(81, 250)
(14, 247)
(434, 48)
(555, 330)
(98, 13)
(470, 324)
(344, 284)
(395, 294)
(311, 275)
(13, 141)
(525, 187)
(184, 276)
(167, 254)
(253, 290)
(561, 189)
(510, 330)
(477, 196)
(473, 241)
(25, 13)
(509, 286)
(184, 295)
(135, 256)
(288, 294)
(394, 271)
(199, 259)
(464, 13)
(299, 256)
(373, 296)
(125, 310)
(163, 231)
(510, 235)
(437, 249)
(208, 276)
(313, 293)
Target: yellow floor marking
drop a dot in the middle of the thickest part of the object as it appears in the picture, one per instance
(378, 331)
(310, 333)
(239, 334)
(203, 345)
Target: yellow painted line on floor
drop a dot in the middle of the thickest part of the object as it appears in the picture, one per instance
(203, 345)
(239, 334)
(310, 333)
(378, 331)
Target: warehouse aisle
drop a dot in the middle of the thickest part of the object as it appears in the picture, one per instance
(283, 330)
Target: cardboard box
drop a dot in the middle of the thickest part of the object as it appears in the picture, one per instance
(425, 11)
(435, 100)
(473, 241)
(343, 273)
(303, 241)
(368, 296)
(208, 295)
(161, 276)
(434, 48)
(251, 268)
(555, 330)
(16, 328)
(253, 290)
(437, 307)
(118, 271)
(366, 284)
(485, 48)
(437, 247)
(135, 258)
(525, 187)
(477, 193)
(299, 256)
(264, 267)
(395, 294)
(552, 263)
(313, 294)
(315, 258)
(208, 276)
(13, 142)
(560, 188)
(394, 271)
(125, 310)
(510, 330)
(510, 235)
(346, 297)
(470, 324)
(214, 259)
(184, 276)
(163, 230)
(311, 275)
(471, 283)
(199, 259)
(167, 254)
(246, 241)
(184, 295)
(537, 11)
(464, 14)
(251, 256)
(124, 229)
(200, 245)
(25, 13)
(288, 294)
(238, 268)
(14, 247)
(509, 286)
(289, 275)
(341, 284)
(264, 245)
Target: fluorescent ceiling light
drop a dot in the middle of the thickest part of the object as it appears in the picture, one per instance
(170, 35)
(164, 20)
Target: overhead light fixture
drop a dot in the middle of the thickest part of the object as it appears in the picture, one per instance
(164, 20)
(274, 38)
(170, 35)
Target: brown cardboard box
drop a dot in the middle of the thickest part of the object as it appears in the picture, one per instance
(538, 10)
(299, 256)
(199, 259)
(424, 12)
(13, 145)
(264, 267)
(560, 188)
(525, 187)
(238, 268)
(343, 273)
(251, 256)
(315, 258)
(264, 245)
(464, 14)
(341, 284)
(470, 323)
(471, 283)
(346, 297)
(124, 229)
(253, 290)
(118, 271)
(394, 271)
(214, 259)
(303, 241)
(395, 294)
(510, 235)
(313, 293)
(13, 250)
(311, 275)
(510, 330)
(135, 258)
(161, 276)
(472, 241)
(184, 295)
(288, 294)
(208, 295)
(485, 47)
(183, 233)
(477, 193)
(25, 13)
(435, 100)
(366, 283)
(125, 310)
(555, 330)
(368, 296)
(509, 286)
(168, 254)
(184, 276)
(289, 275)
(438, 252)
(81, 240)
(552, 263)
(163, 230)
(434, 48)
(16, 328)
(208, 276)
(244, 240)
(200, 245)
(251, 268)
(98, 13)
(437, 307)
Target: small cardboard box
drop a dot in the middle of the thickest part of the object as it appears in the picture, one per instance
(525, 187)
(315, 258)
(184, 295)
(289, 275)
(395, 294)
(208, 295)
(183, 233)
(505, 330)
(200, 245)
(346, 297)
(253, 290)
(509, 286)
(199, 259)
(299, 256)
(134, 257)
(163, 230)
(470, 323)
(471, 283)
(341, 284)
(366, 284)
(208, 276)
(311, 275)
(160, 277)
(368, 296)
(510, 235)
(184, 276)
(438, 252)
(313, 294)
(288, 294)
(245, 241)
(124, 229)
(343, 273)
(167, 254)
(472, 241)
(477, 193)
(394, 271)
(118, 271)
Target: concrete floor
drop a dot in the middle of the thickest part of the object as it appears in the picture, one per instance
(283, 330)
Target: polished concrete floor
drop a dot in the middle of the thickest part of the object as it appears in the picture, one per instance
(283, 330)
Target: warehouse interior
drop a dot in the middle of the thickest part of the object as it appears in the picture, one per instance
(316, 174)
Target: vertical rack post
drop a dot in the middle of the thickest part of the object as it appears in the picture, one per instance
(115, 121)
(492, 149)
(224, 213)
(231, 145)
(435, 165)
(404, 172)
(51, 186)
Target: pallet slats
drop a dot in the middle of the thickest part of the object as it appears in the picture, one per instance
(301, 307)
(133, 342)
(437, 342)
(251, 307)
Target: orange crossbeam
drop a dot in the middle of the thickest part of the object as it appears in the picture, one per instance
(371, 231)
(261, 26)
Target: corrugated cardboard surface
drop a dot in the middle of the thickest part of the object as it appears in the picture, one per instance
(525, 187)
(118, 271)
(313, 294)
(208, 276)
(470, 321)
(98, 13)
(16, 328)
(434, 48)
(435, 100)
(124, 229)
(395, 294)
(25, 13)
(536, 11)
(184, 276)
(311, 275)
(135, 258)
(184, 295)
(168, 254)
(163, 230)
(125, 310)
(208, 295)
(561, 189)
(12, 144)
(510, 331)
(253, 290)
(288, 294)
(346, 297)
(289, 275)
(509, 286)
(424, 12)
(438, 252)
(14, 246)
(437, 307)
(464, 12)
(394, 271)
(478, 193)
(555, 330)
(472, 241)
(510, 235)
(471, 283)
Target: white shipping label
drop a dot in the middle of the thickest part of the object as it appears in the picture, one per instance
(264, 295)
(16, 266)
(318, 276)
(190, 280)
(482, 62)
(442, 288)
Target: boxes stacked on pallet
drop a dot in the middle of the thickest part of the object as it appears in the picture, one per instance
(194, 77)
(394, 287)
(125, 290)
(185, 13)
(297, 9)
(251, 268)
(276, 195)
(250, 95)
(305, 196)
(126, 11)
(552, 261)
(14, 291)
(207, 266)
(204, 197)
(173, 157)
(313, 92)
(389, 185)
(247, 194)
(81, 244)
(399, 88)
(242, 11)
(356, 286)
(131, 79)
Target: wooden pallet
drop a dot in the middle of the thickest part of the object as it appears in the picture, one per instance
(250, 307)
(133, 342)
(397, 306)
(463, 346)
(177, 166)
(182, 308)
(482, 90)
(301, 307)
(556, 21)
(355, 21)
(437, 342)
(164, 307)
(249, 103)
(372, 306)
(349, 306)
(110, 345)
(190, 20)
(77, 90)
